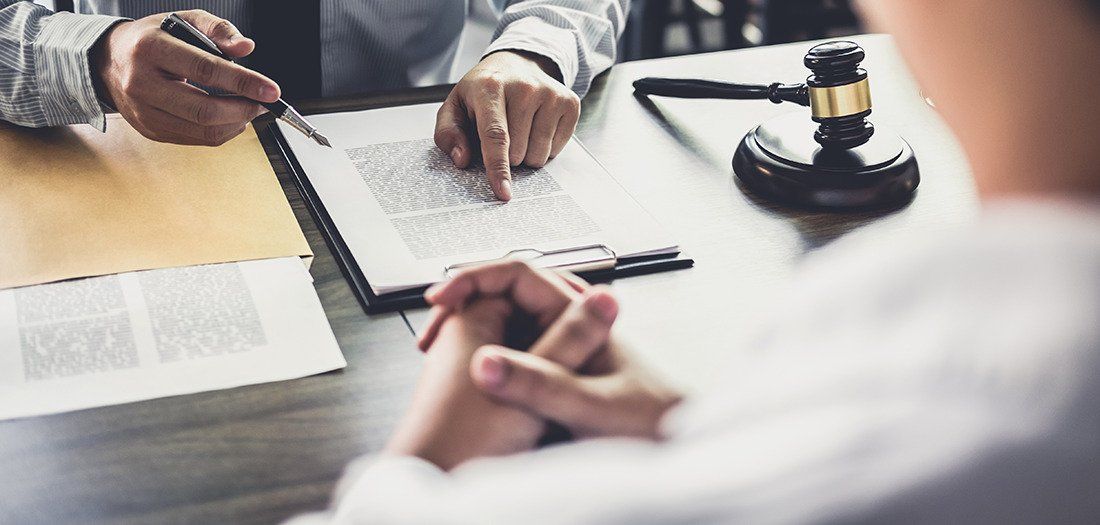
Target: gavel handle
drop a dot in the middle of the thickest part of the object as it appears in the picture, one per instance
(691, 88)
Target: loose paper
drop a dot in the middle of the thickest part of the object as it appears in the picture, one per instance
(141, 335)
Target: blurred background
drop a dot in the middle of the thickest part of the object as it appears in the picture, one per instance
(659, 28)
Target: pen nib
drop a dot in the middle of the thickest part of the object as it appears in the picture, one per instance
(321, 139)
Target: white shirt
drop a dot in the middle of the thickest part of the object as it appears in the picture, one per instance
(366, 45)
(946, 379)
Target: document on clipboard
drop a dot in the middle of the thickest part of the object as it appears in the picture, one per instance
(409, 218)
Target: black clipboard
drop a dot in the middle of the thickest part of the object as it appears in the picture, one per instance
(414, 298)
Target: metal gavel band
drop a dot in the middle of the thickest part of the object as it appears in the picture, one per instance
(840, 101)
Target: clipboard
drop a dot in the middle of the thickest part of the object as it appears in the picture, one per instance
(604, 270)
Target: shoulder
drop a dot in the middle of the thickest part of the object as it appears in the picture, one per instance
(1014, 254)
(953, 373)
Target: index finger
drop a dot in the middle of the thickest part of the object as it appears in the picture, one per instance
(492, 130)
(537, 292)
(182, 59)
(195, 105)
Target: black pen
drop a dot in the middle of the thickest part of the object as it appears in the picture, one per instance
(179, 28)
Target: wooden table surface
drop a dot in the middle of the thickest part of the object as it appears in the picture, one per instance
(264, 453)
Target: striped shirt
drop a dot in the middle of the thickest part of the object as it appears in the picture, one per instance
(46, 79)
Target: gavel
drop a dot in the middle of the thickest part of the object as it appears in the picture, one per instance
(834, 159)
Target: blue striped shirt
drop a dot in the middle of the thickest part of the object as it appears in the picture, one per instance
(46, 80)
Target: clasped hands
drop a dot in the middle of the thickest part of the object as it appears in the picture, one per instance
(477, 397)
(510, 109)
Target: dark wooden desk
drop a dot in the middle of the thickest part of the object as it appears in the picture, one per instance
(266, 452)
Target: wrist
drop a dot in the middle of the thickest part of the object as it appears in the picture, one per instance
(542, 62)
(99, 60)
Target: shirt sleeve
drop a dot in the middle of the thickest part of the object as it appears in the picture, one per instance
(579, 36)
(595, 482)
(834, 455)
(913, 382)
(45, 76)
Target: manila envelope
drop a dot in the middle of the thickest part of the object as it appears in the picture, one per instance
(75, 202)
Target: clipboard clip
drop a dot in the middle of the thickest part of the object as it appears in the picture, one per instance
(576, 259)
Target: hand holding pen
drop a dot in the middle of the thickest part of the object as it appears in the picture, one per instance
(142, 71)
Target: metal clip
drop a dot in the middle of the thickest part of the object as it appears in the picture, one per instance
(608, 259)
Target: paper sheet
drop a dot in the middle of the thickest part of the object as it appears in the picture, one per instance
(76, 202)
(406, 212)
(142, 335)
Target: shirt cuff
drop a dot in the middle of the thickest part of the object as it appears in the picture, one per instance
(63, 70)
(383, 484)
(534, 35)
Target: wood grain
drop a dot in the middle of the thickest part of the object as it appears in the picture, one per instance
(263, 453)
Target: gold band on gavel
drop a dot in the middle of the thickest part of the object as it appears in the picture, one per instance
(840, 101)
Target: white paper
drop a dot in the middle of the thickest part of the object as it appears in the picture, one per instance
(143, 335)
(406, 213)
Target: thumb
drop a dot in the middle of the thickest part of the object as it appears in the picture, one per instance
(534, 384)
(451, 132)
(224, 34)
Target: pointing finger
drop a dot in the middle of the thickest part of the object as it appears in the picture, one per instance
(492, 129)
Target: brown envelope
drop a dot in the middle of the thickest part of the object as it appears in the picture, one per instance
(75, 202)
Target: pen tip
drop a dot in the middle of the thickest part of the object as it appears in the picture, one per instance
(321, 139)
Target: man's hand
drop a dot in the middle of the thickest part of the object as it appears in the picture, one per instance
(560, 378)
(542, 294)
(142, 71)
(513, 106)
(610, 397)
(450, 420)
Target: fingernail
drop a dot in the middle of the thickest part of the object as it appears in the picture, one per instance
(268, 93)
(432, 291)
(454, 155)
(506, 189)
(494, 371)
(602, 305)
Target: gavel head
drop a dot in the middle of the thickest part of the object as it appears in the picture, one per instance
(840, 96)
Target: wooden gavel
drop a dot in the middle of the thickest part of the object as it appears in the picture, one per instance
(833, 160)
(838, 93)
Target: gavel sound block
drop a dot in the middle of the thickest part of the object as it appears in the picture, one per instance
(835, 159)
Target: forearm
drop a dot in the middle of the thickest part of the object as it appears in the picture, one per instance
(579, 36)
(45, 77)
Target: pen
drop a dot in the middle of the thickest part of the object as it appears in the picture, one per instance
(179, 28)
